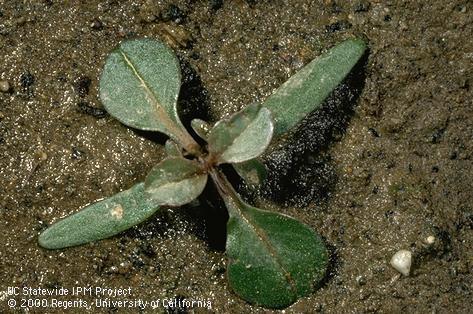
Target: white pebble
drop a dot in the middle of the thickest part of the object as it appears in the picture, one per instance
(4, 86)
(402, 261)
(430, 240)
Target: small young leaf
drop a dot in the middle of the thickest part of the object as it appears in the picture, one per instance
(306, 90)
(100, 220)
(175, 181)
(172, 149)
(243, 136)
(253, 171)
(139, 86)
(273, 259)
(200, 127)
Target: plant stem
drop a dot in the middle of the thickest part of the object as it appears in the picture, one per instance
(227, 192)
(186, 141)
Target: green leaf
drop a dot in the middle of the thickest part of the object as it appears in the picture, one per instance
(175, 181)
(253, 171)
(200, 127)
(172, 149)
(307, 89)
(100, 220)
(243, 136)
(273, 259)
(140, 84)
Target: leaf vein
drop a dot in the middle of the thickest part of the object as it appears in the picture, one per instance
(160, 113)
(270, 248)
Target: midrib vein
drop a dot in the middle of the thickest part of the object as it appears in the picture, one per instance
(272, 251)
(161, 114)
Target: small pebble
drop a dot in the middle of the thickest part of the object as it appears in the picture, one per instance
(338, 26)
(361, 280)
(86, 108)
(173, 13)
(4, 86)
(96, 24)
(77, 153)
(150, 18)
(402, 261)
(430, 240)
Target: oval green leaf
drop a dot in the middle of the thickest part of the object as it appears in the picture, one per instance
(273, 259)
(175, 181)
(306, 90)
(100, 220)
(140, 84)
(243, 136)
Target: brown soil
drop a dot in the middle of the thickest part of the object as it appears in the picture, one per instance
(395, 168)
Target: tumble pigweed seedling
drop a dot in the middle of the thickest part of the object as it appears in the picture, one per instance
(273, 258)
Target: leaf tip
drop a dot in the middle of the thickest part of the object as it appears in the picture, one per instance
(359, 43)
(46, 241)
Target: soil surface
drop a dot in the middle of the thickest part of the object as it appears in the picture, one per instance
(386, 164)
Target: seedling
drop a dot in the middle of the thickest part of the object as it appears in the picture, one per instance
(273, 258)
